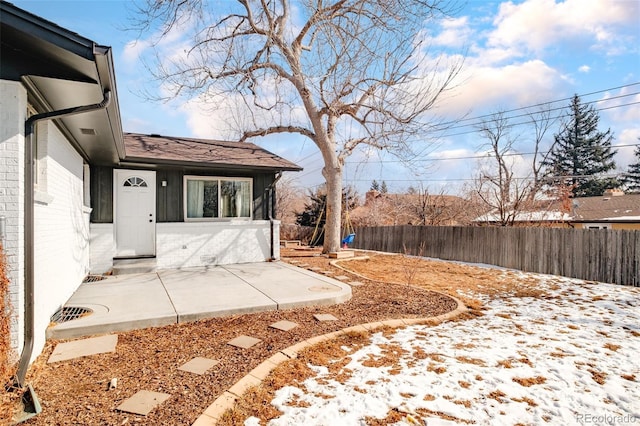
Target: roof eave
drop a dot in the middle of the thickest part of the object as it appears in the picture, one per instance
(160, 162)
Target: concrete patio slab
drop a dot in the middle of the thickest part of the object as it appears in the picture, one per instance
(128, 302)
(143, 402)
(290, 286)
(219, 291)
(198, 365)
(84, 347)
(119, 303)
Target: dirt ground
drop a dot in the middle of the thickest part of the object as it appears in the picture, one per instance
(76, 391)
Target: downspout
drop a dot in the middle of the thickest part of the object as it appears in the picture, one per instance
(29, 223)
(270, 188)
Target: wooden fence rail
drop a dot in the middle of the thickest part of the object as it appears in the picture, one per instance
(604, 255)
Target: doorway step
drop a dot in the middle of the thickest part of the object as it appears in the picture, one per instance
(134, 266)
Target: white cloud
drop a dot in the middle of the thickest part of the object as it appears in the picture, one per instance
(536, 24)
(508, 86)
(625, 155)
(584, 68)
(134, 49)
(618, 108)
(455, 33)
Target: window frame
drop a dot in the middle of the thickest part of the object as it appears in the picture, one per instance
(219, 179)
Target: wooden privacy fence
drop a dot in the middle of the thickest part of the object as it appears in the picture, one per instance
(604, 255)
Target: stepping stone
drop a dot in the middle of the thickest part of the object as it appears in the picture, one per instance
(244, 342)
(143, 402)
(283, 325)
(198, 365)
(295, 262)
(303, 265)
(84, 347)
(315, 268)
(325, 317)
(326, 272)
(355, 283)
(341, 277)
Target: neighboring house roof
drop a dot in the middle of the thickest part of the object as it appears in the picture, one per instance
(607, 208)
(159, 149)
(535, 216)
(611, 208)
(63, 70)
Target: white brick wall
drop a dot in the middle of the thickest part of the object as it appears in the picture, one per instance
(180, 245)
(13, 110)
(102, 247)
(61, 225)
(61, 228)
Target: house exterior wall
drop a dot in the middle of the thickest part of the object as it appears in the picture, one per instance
(102, 247)
(181, 245)
(612, 225)
(61, 226)
(169, 198)
(13, 113)
(194, 244)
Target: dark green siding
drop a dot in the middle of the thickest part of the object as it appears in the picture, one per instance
(101, 191)
(169, 198)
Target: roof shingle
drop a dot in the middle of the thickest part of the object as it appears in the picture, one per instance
(190, 151)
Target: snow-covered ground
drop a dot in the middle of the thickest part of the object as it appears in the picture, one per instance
(570, 357)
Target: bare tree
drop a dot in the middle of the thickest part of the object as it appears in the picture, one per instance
(435, 209)
(344, 73)
(496, 184)
(542, 120)
(289, 199)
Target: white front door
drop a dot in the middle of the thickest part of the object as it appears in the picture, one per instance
(135, 212)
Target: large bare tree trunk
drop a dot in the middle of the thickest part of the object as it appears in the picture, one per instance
(333, 176)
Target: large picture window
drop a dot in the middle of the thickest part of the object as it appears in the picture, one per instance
(217, 197)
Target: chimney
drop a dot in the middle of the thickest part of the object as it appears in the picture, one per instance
(613, 192)
(371, 196)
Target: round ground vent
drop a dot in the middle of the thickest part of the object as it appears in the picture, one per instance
(69, 313)
(93, 278)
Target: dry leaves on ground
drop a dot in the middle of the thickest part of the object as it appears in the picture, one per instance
(76, 391)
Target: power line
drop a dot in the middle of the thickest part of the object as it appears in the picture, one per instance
(616, 175)
(510, 125)
(471, 157)
(541, 104)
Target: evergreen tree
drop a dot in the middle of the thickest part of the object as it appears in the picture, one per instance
(582, 153)
(375, 186)
(383, 188)
(315, 211)
(632, 177)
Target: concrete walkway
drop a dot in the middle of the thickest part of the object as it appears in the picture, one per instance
(128, 302)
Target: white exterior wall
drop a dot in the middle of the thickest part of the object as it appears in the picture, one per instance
(13, 113)
(61, 226)
(102, 247)
(190, 244)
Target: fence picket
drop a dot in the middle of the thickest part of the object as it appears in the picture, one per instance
(599, 255)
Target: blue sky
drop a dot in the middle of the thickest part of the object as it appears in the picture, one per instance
(519, 54)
